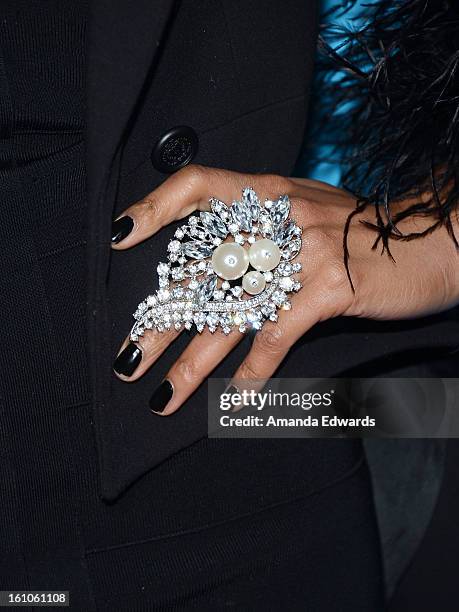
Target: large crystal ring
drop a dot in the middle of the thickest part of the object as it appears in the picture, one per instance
(230, 268)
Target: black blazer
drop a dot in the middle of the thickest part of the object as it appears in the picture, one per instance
(238, 73)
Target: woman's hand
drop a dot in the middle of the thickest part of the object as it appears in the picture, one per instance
(422, 277)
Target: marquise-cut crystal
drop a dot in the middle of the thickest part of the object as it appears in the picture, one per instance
(250, 197)
(279, 210)
(219, 208)
(197, 250)
(214, 224)
(241, 214)
(206, 289)
(285, 233)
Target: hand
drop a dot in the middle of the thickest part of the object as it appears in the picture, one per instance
(422, 277)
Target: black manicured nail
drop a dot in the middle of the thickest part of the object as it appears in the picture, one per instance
(128, 360)
(121, 228)
(161, 396)
(231, 389)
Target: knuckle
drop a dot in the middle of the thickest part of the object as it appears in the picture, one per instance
(151, 205)
(317, 241)
(193, 174)
(248, 371)
(278, 184)
(152, 343)
(334, 275)
(315, 237)
(187, 371)
(270, 339)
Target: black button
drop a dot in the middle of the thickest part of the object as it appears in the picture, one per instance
(175, 149)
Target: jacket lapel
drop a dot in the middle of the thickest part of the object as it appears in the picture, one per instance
(124, 39)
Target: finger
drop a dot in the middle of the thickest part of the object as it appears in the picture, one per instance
(272, 343)
(181, 194)
(195, 364)
(135, 358)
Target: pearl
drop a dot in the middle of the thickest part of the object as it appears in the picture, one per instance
(230, 261)
(264, 255)
(253, 282)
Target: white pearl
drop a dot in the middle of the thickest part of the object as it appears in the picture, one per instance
(253, 282)
(230, 261)
(264, 255)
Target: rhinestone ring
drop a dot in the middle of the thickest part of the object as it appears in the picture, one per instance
(230, 268)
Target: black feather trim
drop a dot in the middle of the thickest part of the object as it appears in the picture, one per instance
(391, 91)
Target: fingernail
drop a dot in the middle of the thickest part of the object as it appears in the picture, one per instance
(231, 389)
(121, 228)
(128, 360)
(161, 396)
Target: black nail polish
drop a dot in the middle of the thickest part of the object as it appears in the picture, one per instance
(232, 389)
(161, 396)
(121, 228)
(128, 360)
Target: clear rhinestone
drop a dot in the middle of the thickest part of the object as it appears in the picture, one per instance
(239, 318)
(151, 300)
(242, 216)
(279, 297)
(163, 269)
(214, 224)
(286, 268)
(163, 295)
(219, 295)
(251, 199)
(197, 250)
(268, 276)
(206, 289)
(239, 238)
(286, 283)
(219, 208)
(179, 233)
(177, 274)
(174, 246)
(225, 285)
(279, 210)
